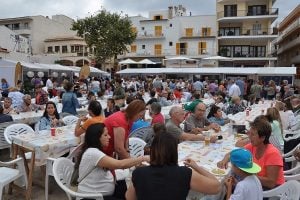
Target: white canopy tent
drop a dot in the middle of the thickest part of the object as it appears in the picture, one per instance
(181, 60)
(267, 71)
(128, 61)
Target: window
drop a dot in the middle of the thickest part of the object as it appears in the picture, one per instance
(230, 10)
(189, 32)
(57, 49)
(171, 25)
(202, 48)
(133, 29)
(133, 48)
(157, 17)
(158, 31)
(206, 31)
(170, 44)
(143, 46)
(64, 49)
(157, 49)
(26, 26)
(50, 50)
(16, 26)
(143, 28)
(257, 10)
(181, 48)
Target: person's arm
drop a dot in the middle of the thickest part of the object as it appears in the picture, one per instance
(224, 163)
(271, 177)
(119, 140)
(79, 128)
(111, 163)
(201, 180)
(191, 137)
(75, 101)
(130, 193)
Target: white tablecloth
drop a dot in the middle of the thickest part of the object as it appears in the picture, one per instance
(46, 145)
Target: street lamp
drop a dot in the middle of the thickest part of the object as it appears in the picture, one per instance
(84, 47)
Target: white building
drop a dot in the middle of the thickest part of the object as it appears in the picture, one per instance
(44, 33)
(170, 33)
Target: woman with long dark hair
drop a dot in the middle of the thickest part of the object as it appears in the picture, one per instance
(95, 167)
(50, 117)
(164, 179)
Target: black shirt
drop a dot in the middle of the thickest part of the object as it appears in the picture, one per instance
(5, 118)
(162, 182)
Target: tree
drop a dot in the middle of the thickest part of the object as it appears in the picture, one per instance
(107, 33)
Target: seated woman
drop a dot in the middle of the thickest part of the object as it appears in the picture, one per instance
(50, 117)
(95, 111)
(264, 154)
(27, 106)
(215, 116)
(96, 168)
(164, 179)
(155, 113)
(4, 117)
(235, 106)
(276, 137)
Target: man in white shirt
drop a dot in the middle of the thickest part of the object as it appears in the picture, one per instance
(49, 86)
(234, 90)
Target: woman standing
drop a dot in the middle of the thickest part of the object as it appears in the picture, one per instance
(50, 117)
(119, 124)
(95, 166)
(69, 100)
(164, 179)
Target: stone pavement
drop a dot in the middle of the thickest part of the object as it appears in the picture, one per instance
(38, 190)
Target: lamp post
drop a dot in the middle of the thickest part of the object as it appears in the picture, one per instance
(83, 47)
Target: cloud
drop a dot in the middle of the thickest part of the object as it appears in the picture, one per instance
(83, 8)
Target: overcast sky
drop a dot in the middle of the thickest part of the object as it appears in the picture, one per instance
(82, 8)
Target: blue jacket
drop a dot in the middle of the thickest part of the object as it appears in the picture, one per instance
(70, 103)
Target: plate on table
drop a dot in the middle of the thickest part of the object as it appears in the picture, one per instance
(218, 172)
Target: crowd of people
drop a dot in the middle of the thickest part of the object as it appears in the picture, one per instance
(257, 163)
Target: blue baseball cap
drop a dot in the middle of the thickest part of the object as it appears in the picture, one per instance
(242, 158)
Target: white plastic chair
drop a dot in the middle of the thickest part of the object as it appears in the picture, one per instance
(3, 142)
(8, 175)
(290, 190)
(136, 147)
(62, 171)
(292, 174)
(144, 133)
(291, 152)
(70, 119)
(49, 167)
(17, 129)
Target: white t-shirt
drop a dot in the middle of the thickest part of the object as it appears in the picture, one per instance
(99, 180)
(248, 189)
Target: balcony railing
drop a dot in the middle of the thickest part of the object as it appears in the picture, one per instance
(147, 34)
(196, 34)
(225, 31)
(246, 54)
(249, 12)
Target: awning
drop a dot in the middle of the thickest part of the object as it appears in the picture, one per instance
(127, 61)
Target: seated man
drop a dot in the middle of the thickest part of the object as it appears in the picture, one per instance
(173, 126)
(7, 106)
(4, 117)
(163, 99)
(197, 122)
(27, 106)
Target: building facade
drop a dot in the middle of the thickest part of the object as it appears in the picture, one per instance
(170, 33)
(288, 42)
(43, 33)
(245, 32)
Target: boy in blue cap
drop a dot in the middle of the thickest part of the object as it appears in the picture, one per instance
(249, 188)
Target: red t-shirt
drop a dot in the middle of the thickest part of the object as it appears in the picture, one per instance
(159, 118)
(271, 157)
(117, 119)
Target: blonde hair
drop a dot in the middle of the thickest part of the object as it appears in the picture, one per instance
(273, 114)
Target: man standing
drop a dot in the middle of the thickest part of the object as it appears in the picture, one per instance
(234, 90)
(49, 85)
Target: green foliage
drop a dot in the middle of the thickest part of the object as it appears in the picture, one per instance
(108, 33)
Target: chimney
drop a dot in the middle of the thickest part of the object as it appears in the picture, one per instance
(170, 12)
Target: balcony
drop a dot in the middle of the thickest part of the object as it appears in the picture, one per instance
(150, 35)
(289, 45)
(198, 35)
(291, 28)
(237, 15)
(242, 55)
(190, 52)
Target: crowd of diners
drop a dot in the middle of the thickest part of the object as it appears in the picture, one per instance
(256, 164)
